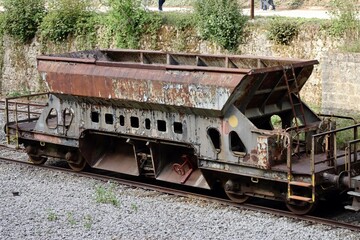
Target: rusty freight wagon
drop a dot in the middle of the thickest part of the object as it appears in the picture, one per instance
(191, 119)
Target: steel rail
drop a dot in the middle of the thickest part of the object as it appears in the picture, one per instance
(177, 192)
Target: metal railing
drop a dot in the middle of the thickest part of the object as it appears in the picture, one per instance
(21, 105)
(348, 153)
(327, 141)
(331, 148)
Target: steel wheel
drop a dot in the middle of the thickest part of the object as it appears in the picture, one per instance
(237, 197)
(37, 160)
(77, 167)
(301, 208)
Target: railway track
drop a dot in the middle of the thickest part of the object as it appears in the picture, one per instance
(106, 176)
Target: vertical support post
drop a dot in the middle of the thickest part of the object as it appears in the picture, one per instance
(17, 125)
(7, 120)
(346, 165)
(312, 163)
(28, 107)
(288, 158)
(355, 145)
(252, 6)
(312, 167)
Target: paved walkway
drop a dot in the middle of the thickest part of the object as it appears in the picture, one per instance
(300, 13)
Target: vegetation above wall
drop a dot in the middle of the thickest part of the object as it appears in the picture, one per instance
(126, 23)
(22, 18)
(220, 21)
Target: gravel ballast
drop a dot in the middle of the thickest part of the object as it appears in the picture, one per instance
(43, 204)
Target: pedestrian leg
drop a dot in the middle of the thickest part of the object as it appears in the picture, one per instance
(161, 2)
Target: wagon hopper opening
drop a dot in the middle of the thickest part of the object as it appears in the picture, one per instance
(191, 119)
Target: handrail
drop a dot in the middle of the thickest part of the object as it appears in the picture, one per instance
(332, 133)
(7, 121)
(348, 158)
(336, 130)
(337, 116)
(27, 112)
(29, 95)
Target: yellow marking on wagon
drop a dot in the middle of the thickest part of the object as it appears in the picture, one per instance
(233, 121)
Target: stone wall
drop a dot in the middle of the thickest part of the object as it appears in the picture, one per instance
(19, 73)
(19, 67)
(341, 84)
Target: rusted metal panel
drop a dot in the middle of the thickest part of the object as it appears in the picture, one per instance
(147, 79)
(198, 90)
(262, 155)
(45, 138)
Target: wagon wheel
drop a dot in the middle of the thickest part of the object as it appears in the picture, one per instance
(178, 169)
(37, 160)
(77, 167)
(237, 197)
(300, 207)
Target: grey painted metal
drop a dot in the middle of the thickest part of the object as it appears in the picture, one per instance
(147, 113)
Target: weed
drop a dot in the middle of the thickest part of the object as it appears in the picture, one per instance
(52, 216)
(134, 207)
(106, 195)
(351, 46)
(70, 218)
(344, 136)
(19, 93)
(276, 122)
(14, 94)
(88, 222)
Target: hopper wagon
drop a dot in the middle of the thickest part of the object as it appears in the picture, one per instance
(207, 121)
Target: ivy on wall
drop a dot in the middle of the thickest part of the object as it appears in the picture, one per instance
(22, 18)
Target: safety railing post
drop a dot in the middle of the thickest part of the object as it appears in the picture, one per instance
(355, 145)
(312, 167)
(289, 166)
(7, 120)
(335, 151)
(28, 107)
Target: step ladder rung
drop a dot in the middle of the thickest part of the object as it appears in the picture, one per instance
(300, 184)
(141, 154)
(300, 198)
(353, 193)
(148, 168)
(149, 174)
(348, 207)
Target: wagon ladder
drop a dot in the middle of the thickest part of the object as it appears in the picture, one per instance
(298, 113)
(293, 90)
